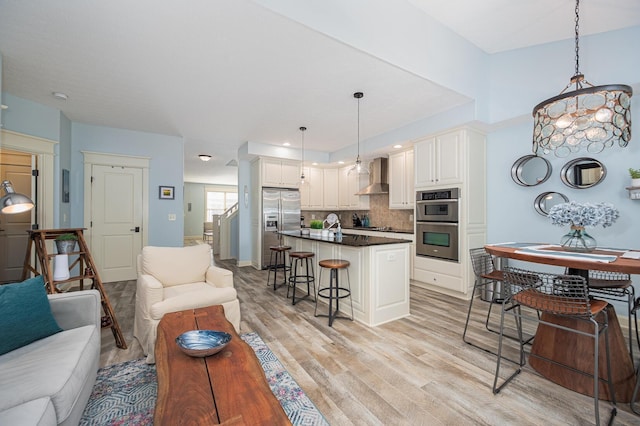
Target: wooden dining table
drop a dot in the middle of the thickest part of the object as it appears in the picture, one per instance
(567, 348)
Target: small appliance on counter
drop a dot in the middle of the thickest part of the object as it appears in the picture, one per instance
(356, 221)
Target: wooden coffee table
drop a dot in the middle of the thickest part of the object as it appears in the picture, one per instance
(226, 388)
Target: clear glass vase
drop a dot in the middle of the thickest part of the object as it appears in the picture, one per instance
(578, 240)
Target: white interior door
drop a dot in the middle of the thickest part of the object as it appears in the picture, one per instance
(15, 167)
(116, 221)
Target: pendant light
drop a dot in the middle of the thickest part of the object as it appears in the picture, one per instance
(303, 180)
(14, 202)
(359, 167)
(593, 117)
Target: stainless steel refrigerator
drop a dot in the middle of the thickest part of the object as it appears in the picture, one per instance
(280, 212)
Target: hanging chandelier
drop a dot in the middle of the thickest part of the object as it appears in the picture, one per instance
(303, 180)
(591, 117)
(359, 167)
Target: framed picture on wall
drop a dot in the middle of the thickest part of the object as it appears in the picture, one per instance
(65, 185)
(167, 193)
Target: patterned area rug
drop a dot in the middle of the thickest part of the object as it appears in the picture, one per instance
(125, 394)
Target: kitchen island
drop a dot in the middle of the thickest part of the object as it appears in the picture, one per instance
(379, 272)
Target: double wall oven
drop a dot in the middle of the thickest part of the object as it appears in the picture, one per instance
(437, 223)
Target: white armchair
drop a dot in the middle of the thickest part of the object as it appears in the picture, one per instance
(172, 279)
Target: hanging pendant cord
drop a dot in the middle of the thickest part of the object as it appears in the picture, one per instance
(358, 127)
(302, 129)
(577, 48)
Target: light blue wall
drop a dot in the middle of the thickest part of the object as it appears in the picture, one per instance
(244, 216)
(511, 215)
(1, 96)
(63, 213)
(233, 242)
(520, 79)
(31, 118)
(165, 168)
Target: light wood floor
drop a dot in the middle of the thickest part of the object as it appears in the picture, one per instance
(414, 371)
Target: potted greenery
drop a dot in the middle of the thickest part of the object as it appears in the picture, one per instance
(316, 224)
(316, 227)
(635, 177)
(66, 243)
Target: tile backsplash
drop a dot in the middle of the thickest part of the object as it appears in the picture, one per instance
(379, 214)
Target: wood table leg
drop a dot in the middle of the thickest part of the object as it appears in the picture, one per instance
(576, 350)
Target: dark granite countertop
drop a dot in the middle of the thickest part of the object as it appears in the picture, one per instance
(379, 229)
(348, 240)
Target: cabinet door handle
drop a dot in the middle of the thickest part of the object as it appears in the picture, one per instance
(136, 229)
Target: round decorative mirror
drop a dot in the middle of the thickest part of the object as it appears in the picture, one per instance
(583, 172)
(530, 170)
(546, 200)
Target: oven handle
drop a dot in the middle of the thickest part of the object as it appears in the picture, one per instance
(445, 200)
(437, 223)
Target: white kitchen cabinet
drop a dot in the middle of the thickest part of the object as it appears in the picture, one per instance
(280, 173)
(378, 277)
(393, 235)
(311, 194)
(455, 159)
(441, 159)
(401, 178)
(349, 185)
(331, 185)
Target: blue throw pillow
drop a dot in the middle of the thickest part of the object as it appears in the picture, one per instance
(25, 314)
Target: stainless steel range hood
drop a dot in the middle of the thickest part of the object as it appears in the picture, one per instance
(378, 183)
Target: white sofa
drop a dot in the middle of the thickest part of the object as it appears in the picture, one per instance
(172, 279)
(49, 381)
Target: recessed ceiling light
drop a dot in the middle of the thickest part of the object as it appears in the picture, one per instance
(204, 157)
(286, 144)
(340, 162)
(397, 146)
(314, 164)
(60, 96)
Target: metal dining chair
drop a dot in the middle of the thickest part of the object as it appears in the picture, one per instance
(636, 389)
(617, 286)
(634, 397)
(488, 279)
(562, 296)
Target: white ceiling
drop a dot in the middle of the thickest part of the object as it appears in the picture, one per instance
(222, 72)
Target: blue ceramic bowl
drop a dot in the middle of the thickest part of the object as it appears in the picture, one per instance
(201, 343)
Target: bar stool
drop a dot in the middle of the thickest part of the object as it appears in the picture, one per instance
(334, 291)
(296, 258)
(280, 262)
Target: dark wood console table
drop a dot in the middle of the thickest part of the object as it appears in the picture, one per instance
(227, 388)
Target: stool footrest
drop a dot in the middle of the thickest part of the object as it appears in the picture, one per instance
(331, 290)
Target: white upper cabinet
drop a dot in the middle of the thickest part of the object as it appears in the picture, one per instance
(280, 173)
(350, 184)
(312, 192)
(401, 178)
(331, 185)
(441, 160)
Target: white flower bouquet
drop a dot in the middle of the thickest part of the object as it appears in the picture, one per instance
(583, 214)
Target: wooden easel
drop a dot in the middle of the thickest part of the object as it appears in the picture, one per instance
(86, 266)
